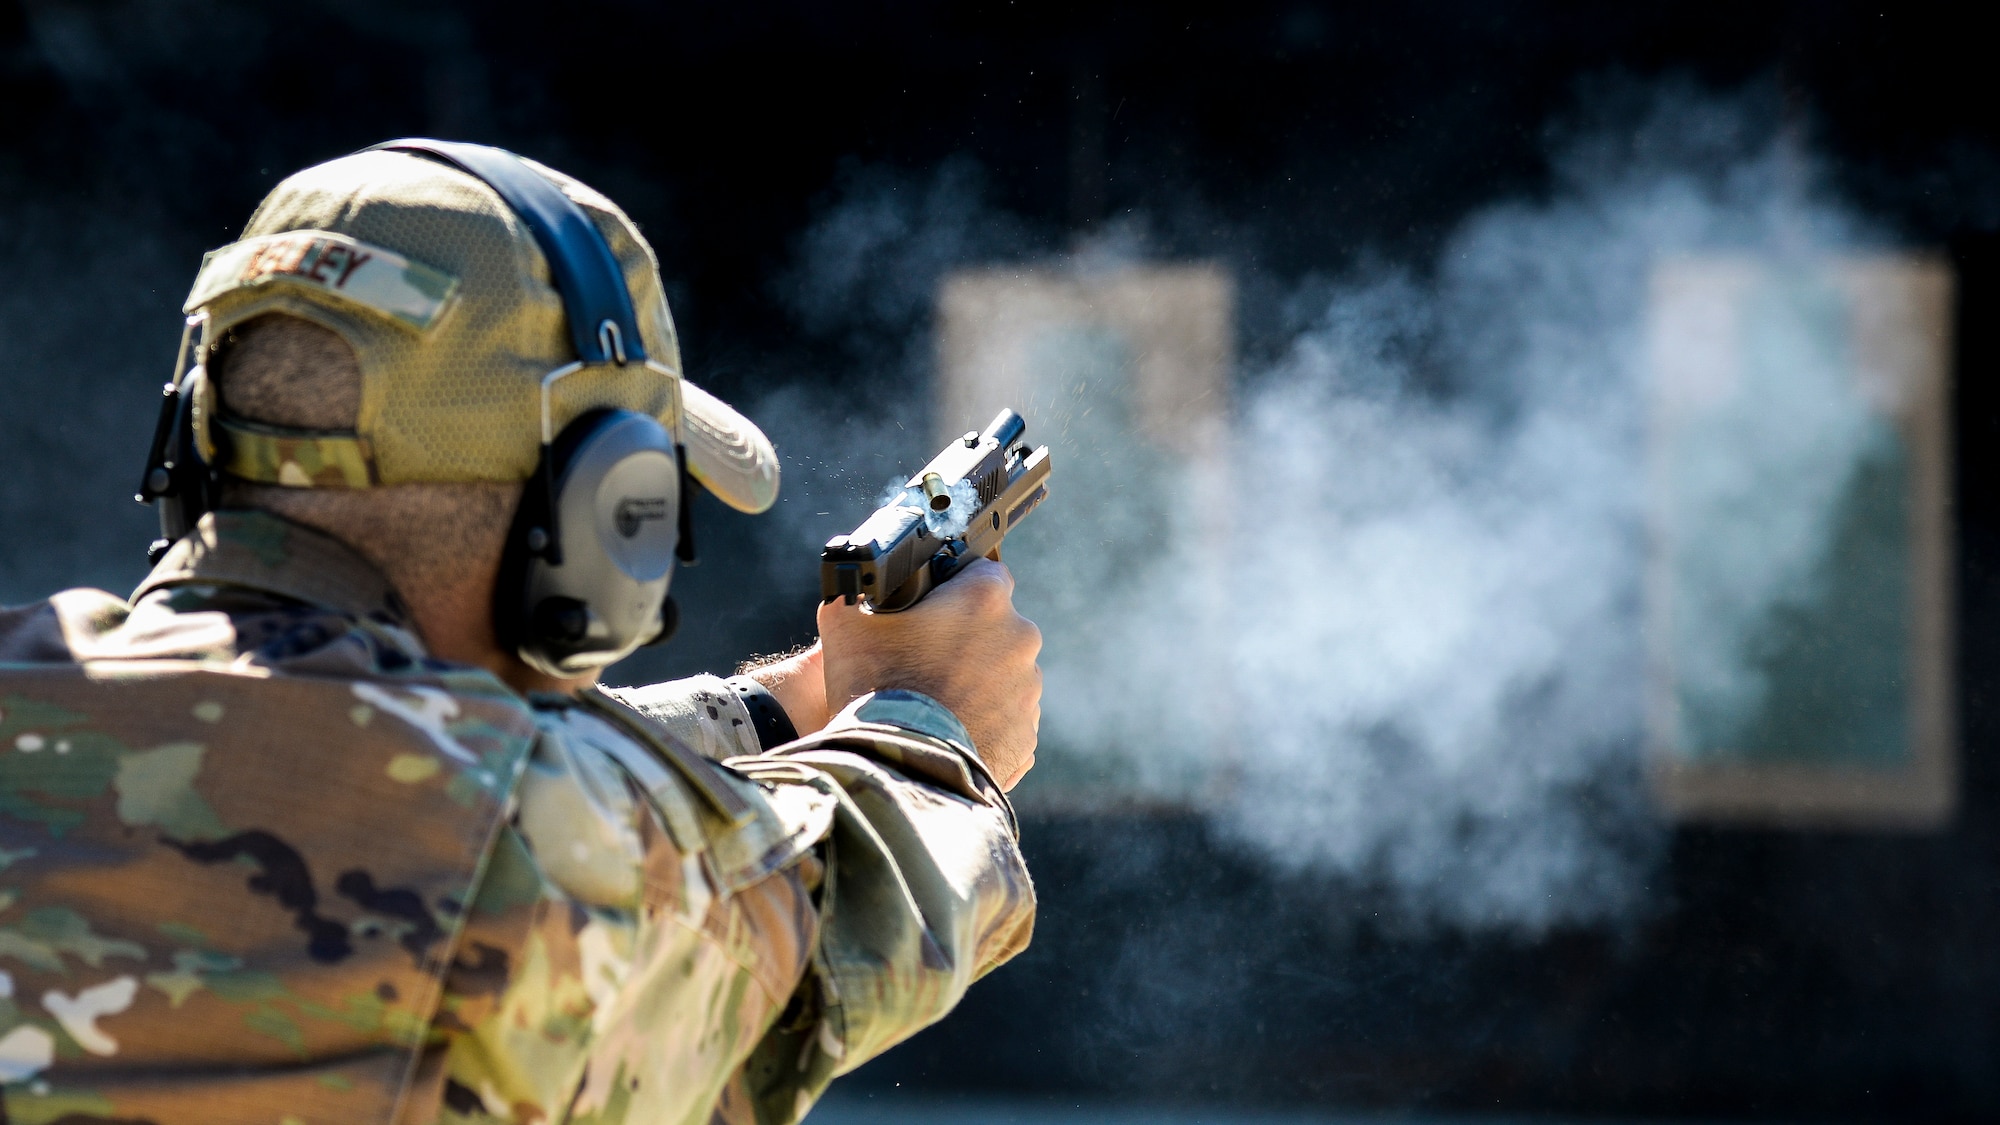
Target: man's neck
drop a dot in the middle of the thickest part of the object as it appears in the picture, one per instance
(456, 624)
(453, 618)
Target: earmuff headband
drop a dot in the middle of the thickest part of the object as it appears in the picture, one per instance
(564, 615)
(599, 307)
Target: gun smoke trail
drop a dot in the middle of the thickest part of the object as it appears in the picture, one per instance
(1418, 658)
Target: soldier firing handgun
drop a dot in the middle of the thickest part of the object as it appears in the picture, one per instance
(413, 604)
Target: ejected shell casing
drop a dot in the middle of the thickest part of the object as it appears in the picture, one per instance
(934, 488)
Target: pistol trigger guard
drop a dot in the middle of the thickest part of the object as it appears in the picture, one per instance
(945, 563)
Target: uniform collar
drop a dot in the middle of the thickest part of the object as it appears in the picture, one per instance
(259, 551)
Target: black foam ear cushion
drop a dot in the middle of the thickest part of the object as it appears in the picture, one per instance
(511, 617)
(559, 620)
(684, 548)
(177, 479)
(534, 535)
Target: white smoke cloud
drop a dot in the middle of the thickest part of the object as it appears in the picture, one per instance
(1418, 660)
(1448, 691)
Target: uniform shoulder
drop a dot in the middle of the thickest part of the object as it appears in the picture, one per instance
(43, 632)
(748, 827)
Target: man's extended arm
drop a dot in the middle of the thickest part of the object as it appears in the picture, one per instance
(924, 890)
(965, 647)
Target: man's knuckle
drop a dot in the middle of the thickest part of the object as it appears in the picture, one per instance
(995, 590)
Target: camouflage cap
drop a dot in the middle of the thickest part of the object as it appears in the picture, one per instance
(448, 303)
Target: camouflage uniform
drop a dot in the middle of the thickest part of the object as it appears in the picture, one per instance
(263, 860)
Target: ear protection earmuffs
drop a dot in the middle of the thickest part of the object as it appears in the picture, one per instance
(584, 574)
(183, 483)
(583, 579)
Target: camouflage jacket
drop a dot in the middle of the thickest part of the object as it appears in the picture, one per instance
(263, 860)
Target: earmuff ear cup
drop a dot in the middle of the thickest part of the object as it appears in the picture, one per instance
(584, 575)
(181, 474)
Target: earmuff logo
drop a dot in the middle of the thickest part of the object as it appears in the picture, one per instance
(633, 512)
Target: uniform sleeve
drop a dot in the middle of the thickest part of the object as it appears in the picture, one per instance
(924, 892)
(701, 711)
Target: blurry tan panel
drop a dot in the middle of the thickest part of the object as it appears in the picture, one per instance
(1896, 336)
(1178, 323)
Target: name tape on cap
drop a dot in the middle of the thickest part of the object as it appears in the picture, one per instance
(346, 268)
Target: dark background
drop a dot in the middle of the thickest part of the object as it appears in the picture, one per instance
(1787, 974)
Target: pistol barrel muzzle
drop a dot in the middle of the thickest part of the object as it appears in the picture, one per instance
(1006, 428)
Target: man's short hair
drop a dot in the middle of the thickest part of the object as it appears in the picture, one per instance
(427, 539)
(288, 372)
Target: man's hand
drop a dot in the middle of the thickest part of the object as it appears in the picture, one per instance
(964, 646)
